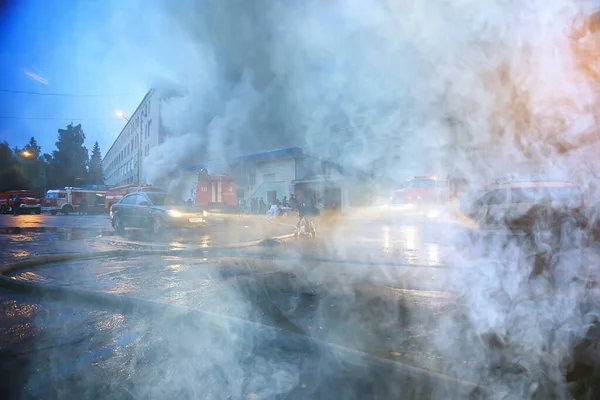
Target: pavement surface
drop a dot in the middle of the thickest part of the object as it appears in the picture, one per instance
(229, 323)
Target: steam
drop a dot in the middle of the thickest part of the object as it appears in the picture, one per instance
(473, 88)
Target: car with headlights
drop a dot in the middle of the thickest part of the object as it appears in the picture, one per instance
(154, 211)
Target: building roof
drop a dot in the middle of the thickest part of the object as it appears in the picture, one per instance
(290, 151)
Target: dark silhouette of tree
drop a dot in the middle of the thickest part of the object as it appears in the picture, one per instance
(11, 171)
(96, 176)
(33, 148)
(70, 160)
(33, 166)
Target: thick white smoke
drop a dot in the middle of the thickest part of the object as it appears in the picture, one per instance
(410, 85)
(479, 88)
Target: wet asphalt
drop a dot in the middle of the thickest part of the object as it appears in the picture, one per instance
(377, 285)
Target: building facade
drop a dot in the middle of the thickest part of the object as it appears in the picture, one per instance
(280, 173)
(123, 163)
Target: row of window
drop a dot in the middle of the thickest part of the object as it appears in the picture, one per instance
(133, 145)
(127, 181)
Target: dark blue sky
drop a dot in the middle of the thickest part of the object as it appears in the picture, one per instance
(74, 47)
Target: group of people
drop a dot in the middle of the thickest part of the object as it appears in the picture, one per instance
(258, 205)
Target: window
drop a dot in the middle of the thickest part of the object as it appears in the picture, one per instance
(158, 199)
(140, 198)
(422, 183)
(128, 199)
(268, 177)
(271, 197)
(538, 194)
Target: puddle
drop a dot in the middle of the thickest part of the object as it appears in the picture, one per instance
(174, 238)
(30, 234)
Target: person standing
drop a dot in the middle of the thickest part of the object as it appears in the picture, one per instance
(262, 206)
(83, 205)
(16, 204)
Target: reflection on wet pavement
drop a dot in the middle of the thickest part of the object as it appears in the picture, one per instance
(219, 286)
(83, 350)
(416, 243)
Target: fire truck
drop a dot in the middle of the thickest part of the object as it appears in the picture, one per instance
(68, 199)
(28, 203)
(422, 190)
(116, 193)
(216, 192)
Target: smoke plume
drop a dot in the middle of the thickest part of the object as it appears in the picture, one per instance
(473, 88)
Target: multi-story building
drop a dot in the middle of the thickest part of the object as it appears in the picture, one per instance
(124, 161)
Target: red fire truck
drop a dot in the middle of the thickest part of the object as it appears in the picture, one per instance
(422, 190)
(116, 193)
(28, 203)
(216, 192)
(67, 200)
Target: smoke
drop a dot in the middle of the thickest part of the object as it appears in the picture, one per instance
(475, 88)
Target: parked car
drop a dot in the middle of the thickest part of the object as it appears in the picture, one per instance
(154, 211)
(551, 213)
(510, 204)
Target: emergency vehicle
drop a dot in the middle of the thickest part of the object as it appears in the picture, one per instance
(422, 190)
(114, 194)
(216, 192)
(68, 199)
(28, 203)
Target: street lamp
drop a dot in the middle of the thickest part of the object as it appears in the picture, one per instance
(26, 154)
(121, 114)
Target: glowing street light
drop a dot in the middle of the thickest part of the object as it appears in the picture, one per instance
(121, 114)
(26, 154)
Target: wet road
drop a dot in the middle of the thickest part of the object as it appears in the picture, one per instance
(26, 236)
(380, 287)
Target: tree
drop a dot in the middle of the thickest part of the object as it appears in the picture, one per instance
(33, 166)
(11, 173)
(33, 148)
(96, 176)
(70, 160)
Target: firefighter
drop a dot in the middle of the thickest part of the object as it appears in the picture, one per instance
(83, 205)
(16, 204)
